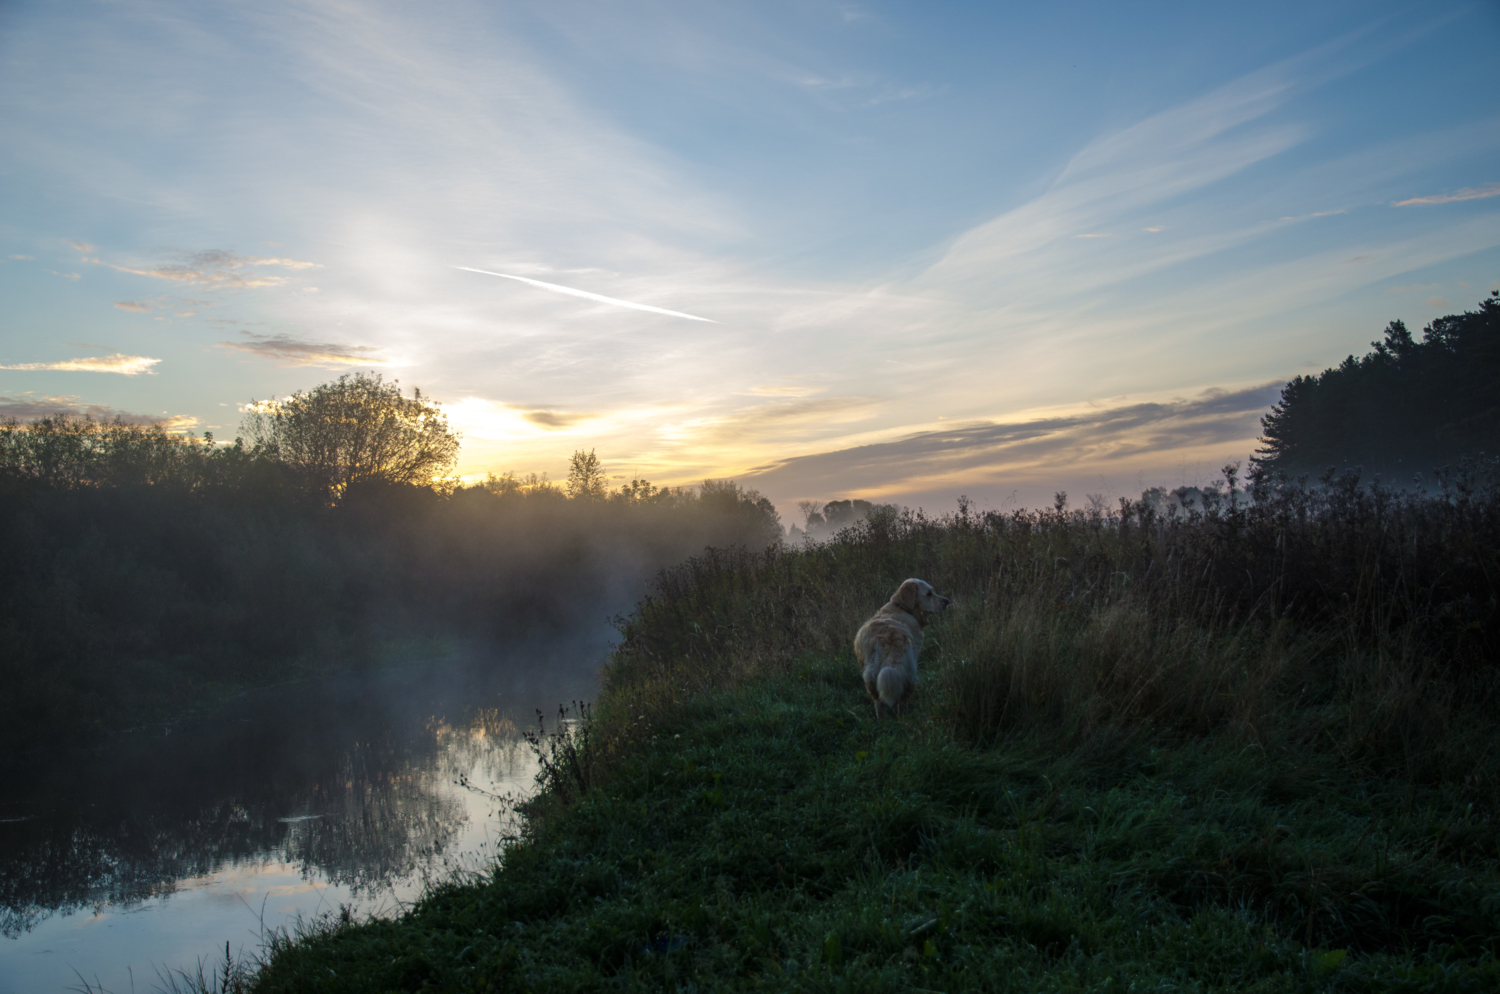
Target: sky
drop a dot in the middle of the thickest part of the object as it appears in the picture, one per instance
(896, 251)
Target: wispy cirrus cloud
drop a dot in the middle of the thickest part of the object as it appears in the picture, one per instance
(987, 451)
(215, 269)
(134, 306)
(125, 365)
(1467, 193)
(290, 351)
(785, 419)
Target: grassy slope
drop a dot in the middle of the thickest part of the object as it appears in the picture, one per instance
(773, 836)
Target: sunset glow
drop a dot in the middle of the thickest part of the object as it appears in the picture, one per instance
(826, 250)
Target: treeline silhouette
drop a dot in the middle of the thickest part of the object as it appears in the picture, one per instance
(147, 571)
(1405, 408)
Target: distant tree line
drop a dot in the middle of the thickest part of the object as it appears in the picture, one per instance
(1406, 407)
(146, 570)
(823, 521)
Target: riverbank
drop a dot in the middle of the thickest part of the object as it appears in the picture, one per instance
(775, 836)
(1183, 754)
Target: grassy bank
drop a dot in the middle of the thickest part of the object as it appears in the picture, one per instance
(775, 837)
(1251, 748)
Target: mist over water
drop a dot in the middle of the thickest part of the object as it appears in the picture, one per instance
(150, 852)
(148, 573)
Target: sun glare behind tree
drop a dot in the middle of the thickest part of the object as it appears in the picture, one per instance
(357, 429)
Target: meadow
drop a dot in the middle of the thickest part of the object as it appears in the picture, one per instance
(1246, 745)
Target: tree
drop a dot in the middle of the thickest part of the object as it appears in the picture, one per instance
(812, 514)
(1406, 406)
(586, 477)
(68, 451)
(756, 522)
(357, 429)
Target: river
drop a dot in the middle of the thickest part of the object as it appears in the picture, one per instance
(128, 862)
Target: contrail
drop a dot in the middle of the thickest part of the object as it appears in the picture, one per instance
(588, 296)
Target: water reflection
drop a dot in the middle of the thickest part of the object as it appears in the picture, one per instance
(350, 782)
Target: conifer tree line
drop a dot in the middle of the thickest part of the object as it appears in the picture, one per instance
(1407, 407)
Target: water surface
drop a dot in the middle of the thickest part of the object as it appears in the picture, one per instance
(147, 854)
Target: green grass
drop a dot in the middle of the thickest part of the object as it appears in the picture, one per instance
(1249, 749)
(772, 835)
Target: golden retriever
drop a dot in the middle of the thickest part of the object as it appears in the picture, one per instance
(888, 644)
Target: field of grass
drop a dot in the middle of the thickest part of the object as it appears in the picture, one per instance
(1254, 748)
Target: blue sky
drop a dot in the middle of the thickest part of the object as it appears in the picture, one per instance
(993, 249)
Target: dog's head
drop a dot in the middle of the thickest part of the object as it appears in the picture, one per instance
(917, 597)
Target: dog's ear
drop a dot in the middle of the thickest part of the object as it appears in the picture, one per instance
(906, 596)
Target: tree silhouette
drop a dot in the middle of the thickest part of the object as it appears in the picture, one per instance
(357, 429)
(586, 477)
(1405, 407)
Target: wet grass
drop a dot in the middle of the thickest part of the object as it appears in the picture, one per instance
(775, 836)
(1250, 749)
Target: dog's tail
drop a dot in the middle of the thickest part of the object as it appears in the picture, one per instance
(892, 685)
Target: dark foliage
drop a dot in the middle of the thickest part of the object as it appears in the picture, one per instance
(355, 430)
(1405, 408)
(147, 571)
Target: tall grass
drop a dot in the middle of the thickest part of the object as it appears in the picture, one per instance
(1348, 616)
(1248, 747)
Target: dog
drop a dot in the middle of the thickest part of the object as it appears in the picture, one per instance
(888, 644)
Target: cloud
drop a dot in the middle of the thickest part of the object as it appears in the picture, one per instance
(126, 365)
(586, 295)
(1300, 217)
(1153, 230)
(1031, 250)
(986, 451)
(820, 83)
(1467, 193)
(294, 352)
(486, 420)
(554, 419)
(891, 93)
(66, 276)
(28, 406)
(134, 306)
(81, 246)
(216, 269)
(786, 419)
(1095, 235)
(1435, 302)
(24, 258)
